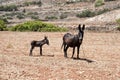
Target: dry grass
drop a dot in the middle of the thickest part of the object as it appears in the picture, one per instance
(101, 48)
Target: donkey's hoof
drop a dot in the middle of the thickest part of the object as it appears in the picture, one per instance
(30, 55)
(40, 54)
(65, 56)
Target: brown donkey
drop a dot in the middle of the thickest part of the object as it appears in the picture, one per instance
(73, 41)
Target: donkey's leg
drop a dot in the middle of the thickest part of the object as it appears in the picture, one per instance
(78, 51)
(41, 50)
(65, 54)
(32, 47)
(73, 52)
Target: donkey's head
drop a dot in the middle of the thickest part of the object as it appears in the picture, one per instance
(81, 32)
(46, 40)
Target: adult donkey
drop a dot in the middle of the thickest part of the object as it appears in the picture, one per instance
(73, 41)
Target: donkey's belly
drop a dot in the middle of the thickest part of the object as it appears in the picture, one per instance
(73, 45)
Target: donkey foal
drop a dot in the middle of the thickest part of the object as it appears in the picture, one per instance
(38, 44)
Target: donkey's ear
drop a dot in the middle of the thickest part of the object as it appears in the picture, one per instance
(79, 27)
(83, 28)
(45, 37)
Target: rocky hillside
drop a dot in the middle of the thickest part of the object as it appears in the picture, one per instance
(62, 12)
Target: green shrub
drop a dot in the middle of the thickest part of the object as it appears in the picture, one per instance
(39, 3)
(4, 19)
(118, 22)
(69, 2)
(9, 14)
(2, 26)
(8, 8)
(37, 26)
(9, 17)
(34, 17)
(51, 17)
(86, 13)
(62, 16)
(102, 11)
(99, 3)
(118, 28)
(75, 1)
(32, 13)
(35, 13)
(110, 0)
(20, 16)
(26, 3)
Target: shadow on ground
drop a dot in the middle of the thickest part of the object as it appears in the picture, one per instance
(84, 59)
(43, 56)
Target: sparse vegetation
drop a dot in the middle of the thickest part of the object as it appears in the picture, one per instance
(51, 17)
(89, 13)
(11, 15)
(62, 16)
(102, 11)
(75, 1)
(118, 21)
(37, 26)
(24, 11)
(99, 3)
(20, 16)
(118, 28)
(86, 13)
(34, 17)
(55, 10)
(4, 19)
(32, 13)
(2, 25)
(8, 8)
(110, 0)
(39, 3)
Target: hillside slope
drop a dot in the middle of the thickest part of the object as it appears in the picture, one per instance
(55, 8)
(108, 17)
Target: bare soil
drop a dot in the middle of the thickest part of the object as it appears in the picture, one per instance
(99, 53)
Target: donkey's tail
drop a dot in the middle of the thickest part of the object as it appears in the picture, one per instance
(62, 45)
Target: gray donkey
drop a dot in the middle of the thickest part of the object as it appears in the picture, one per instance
(38, 44)
(73, 41)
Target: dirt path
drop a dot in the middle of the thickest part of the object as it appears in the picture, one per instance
(102, 49)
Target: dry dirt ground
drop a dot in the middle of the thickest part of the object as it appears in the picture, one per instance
(100, 57)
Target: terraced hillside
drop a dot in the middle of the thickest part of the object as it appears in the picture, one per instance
(61, 13)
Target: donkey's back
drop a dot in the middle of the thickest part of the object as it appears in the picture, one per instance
(70, 40)
(36, 43)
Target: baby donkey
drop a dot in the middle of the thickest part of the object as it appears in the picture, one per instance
(38, 44)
